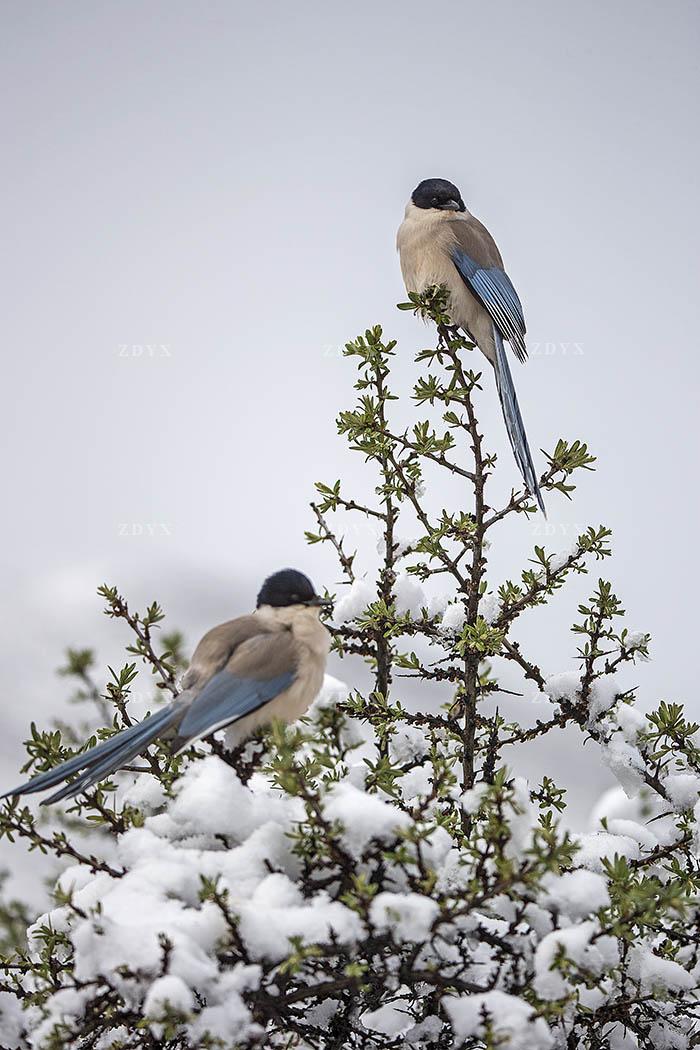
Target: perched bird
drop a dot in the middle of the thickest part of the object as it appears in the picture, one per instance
(247, 671)
(440, 242)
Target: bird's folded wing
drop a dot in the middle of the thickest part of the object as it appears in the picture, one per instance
(216, 648)
(477, 259)
(260, 669)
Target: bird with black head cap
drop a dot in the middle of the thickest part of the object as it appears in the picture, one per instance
(243, 674)
(441, 243)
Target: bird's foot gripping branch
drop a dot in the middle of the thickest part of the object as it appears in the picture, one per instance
(376, 875)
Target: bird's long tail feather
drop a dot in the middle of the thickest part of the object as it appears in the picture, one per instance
(100, 761)
(514, 421)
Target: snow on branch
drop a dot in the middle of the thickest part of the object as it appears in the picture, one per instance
(374, 876)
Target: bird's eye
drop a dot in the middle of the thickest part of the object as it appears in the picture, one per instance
(435, 202)
(295, 598)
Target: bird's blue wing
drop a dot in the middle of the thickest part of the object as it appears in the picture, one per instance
(493, 287)
(227, 697)
(262, 665)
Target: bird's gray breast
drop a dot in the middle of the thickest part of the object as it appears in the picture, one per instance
(425, 243)
(424, 253)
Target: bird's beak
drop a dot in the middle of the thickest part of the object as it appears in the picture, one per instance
(451, 205)
(318, 602)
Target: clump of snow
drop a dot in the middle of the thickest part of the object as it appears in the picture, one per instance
(144, 793)
(134, 913)
(615, 803)
(425, 1033)
(559, 560)
(575, 944)
(323, 1013)
(594, 848)
(453, 618)
(633, 639)
(11, 1021)
(663, 1037)
(563, 686)
(625, 763)
(408, 744)
(512, 1021)
(277, 912)
(388, 1020)
(119, 922)
(603, 694)
(655, 974)
(363, 817)
(619, 1037)
(222, 870)
(641, 833)
(416, 783)
(576, 893)
(74, 878)
(229, 1022)
(489, 607)
(409, 595)
(439, 602)
(238, 810)
(631, 721)
(168, 993)
(472, 797)
(522, 819)
(116, 1038)
(226, 1017)
(354, 603)
(332, 693)
(682, 789)
(409, 916)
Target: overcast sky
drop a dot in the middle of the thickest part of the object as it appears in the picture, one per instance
(222, 183)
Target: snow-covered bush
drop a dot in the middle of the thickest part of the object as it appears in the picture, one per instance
(376, 876)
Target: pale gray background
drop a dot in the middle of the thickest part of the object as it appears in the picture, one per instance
(225, 180)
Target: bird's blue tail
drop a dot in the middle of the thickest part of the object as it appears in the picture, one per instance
(514, 421)
(104, 759)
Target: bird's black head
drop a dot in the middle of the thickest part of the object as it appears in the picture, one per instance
(438, 193)
(288, 587)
